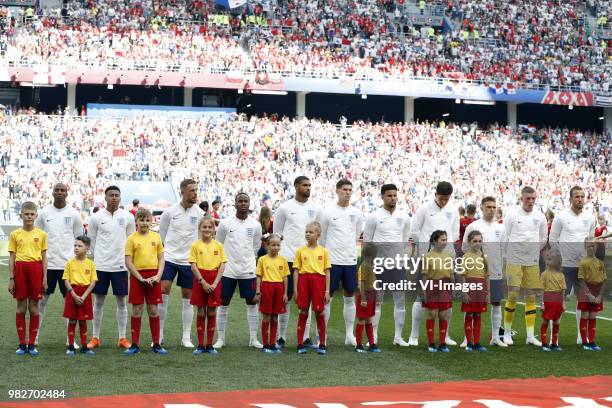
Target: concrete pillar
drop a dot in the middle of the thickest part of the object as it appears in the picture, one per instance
(188, 97)
(512, 121)
(408, 109)
(300, 108)
(608, 119)
(71, 99)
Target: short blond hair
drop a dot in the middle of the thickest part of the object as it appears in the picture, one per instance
(314, 224)
(204, 219)
(29, 205)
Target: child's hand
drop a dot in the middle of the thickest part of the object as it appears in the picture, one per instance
(11, 287)
(207, 288)
(78, 300)
(327, 298)
(598, 299)
(295, 296)
(155, 279)
(591, 298)
(44, 285)
(466, 297)
(257, 299)
(363, 303)
(285, 299)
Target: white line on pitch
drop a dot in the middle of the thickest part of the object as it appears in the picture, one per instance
(569, 311)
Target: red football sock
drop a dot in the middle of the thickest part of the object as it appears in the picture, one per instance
(210, 329)
(135, 325)
(359, 333)
(583, 330)
(154, 325)
(303, 316)
(20, 322)
(71, 330)
(442, 327)
(34, 322)
(592, 329)
(321, 328)
(265, 331)
(429, 324)
(544, 332)
(200, 327)
(83, 332)
(477, 324)
(273, 329)
(555, 334)
(467, 324)
(370, 332)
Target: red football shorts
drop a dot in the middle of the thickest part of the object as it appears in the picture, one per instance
(28, 280)
(478, 298)
(552, 310)
(140, 291)
(437, 298)
(311, 289)
(368, 311)
(199, 297)
(590, 307)
(272, 298)
(73, 311)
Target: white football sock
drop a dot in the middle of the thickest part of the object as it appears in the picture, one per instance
(187, 318)
(222, 313)
(42, 305)
(327, 312)
(417, 315)
(98, 313)
(307, 327)
(253, 320)
(122, 315)
(283, 322)
(348, 312)
(496, 319)
(399, 312)
(376, 321)
(163, 313)
(578, 314)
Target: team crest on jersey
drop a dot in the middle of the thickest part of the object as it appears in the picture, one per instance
(121, 221)
(449, 215)
(153, 243)
(280, 267)
(311, 213)
(67, 220)
(36, 239)
(399, 221)
(585, 223)
(536, 222)
(194, 220)
(497, 234)
(249, 232)
(216, 253)
(87, 271)
(320, 257)
(352, 217)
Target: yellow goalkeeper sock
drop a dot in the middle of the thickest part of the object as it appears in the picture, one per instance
(509, 310)
(530, 314)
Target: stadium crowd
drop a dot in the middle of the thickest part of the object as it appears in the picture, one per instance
(263, 155)
(526, 44)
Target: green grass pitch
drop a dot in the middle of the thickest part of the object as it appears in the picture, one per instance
(240, 367)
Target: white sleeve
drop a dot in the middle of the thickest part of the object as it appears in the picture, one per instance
(455, 227)
(257, 238)
(370, 228)
(503, 242)
(508, 221)
(417, 224)
(164, 224)
(279, 221)
(592, 228)
(77, 225)
(93, 232)
(324, 220)
(359, 227)
(543, 231)
(130, 228)
(406, 233)
(221, 232)
(555, 231)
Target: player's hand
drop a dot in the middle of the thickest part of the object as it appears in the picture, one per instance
(256, 299)
(11, 287)
(363, 303)
(327, 298)
(155, 279)
(285, 299)
(78, 300)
